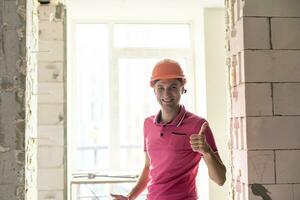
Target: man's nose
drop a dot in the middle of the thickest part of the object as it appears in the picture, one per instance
(167, 92)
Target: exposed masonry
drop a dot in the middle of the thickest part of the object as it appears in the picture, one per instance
(51, 103)
(17, 111)
(19, 94)
(263, 58)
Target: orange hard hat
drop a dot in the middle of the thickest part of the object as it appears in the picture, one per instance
(167, 69)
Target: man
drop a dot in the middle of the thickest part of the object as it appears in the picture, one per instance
(175, 140)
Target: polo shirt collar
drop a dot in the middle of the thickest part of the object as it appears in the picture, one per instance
(176, 121)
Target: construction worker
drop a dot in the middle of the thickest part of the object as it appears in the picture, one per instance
(175, 141)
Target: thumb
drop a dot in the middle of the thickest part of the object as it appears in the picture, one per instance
(203, 129)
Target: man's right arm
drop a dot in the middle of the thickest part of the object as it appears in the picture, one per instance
(140, 185)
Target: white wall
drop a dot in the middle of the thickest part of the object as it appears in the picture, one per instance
(216, 87)
(137, 9)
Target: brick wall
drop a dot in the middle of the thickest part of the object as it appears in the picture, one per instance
(51, 103)
(18, 47)
(263, 57)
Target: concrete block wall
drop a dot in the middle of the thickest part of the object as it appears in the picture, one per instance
(18, 142)
(51, 103)
(263, 60)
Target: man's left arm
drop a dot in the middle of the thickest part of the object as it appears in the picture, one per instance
(216, 168)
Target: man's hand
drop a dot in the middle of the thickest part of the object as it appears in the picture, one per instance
(198, 141)
(119, 197)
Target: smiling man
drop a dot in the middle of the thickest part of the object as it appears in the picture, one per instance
(175, 141)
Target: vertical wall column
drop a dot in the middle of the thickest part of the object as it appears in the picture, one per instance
(18, 48)
(51, 103)
(263, 57)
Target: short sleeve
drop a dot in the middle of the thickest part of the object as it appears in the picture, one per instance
(210, 139)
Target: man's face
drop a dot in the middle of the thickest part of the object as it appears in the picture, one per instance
(168, 92)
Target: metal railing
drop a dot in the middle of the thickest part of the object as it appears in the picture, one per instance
(96, 186)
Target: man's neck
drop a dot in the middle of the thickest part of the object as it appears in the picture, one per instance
(167, 115)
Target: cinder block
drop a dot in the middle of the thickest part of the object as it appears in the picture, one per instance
(50, 135)
(237, 132)
(238, 106)
(7, 163)
(286, 98)
(50, 157)
(273, 192)
(51, 92)
(241, 68)
(233, 133)
(250, 33)
(273, 132)
(236, 38)
(258, 99)
(50, 179)
(51, 51)
(236, 69)
(49, 31)
(11, 44)
(240, 191)
(46, 12)
(10, 109)
(50, 114)
(237, 10)
(253, 99)
(8, 62)
(272, 8)
(50, 71)
(10, 15)
(271, 65)
(256, 33)
(239, 164)
(287, 166)
(296, 190)
(285, 33)
(51, 195)
(8, 190)
(261, 167)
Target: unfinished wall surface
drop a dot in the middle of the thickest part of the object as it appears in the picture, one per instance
(263, 57)
(18, 47)
(51, 103)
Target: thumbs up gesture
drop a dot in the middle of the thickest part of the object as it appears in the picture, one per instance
(198, 141)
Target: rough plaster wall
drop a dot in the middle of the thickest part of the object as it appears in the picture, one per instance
(17, 105)
(263, 58)
(51, 103)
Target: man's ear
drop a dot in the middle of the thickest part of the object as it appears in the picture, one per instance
(183, 90)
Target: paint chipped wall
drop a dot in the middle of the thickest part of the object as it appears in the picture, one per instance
(51, 103)
(263, 60)
(17, 107)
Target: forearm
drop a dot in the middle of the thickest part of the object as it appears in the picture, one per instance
(140, 184)
(216, 169)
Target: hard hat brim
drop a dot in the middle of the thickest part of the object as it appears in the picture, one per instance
(152, 82)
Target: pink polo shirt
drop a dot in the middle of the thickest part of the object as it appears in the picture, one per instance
(173, 163)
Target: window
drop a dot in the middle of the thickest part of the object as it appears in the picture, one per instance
(113, 97)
